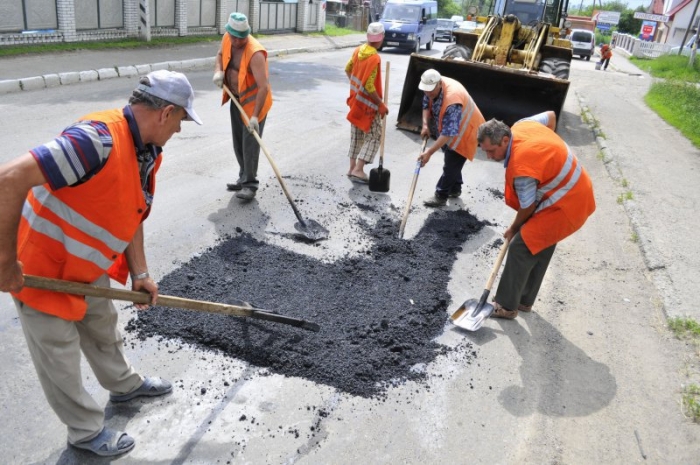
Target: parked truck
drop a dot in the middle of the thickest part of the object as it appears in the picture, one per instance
(515, 64)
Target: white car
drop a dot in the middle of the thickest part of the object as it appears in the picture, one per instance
(686, 48)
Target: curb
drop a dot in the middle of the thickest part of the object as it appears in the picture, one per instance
(52, 80)
(653, 260)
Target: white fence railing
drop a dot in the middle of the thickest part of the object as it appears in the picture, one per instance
(640, 48)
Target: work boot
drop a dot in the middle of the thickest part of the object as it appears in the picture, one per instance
(435, 201)
(236, 186)
(500, 312)
(246, 193)
(455, 194)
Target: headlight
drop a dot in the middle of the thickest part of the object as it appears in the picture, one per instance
(567, 24)
(411, 36)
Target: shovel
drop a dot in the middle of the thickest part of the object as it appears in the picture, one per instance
(472, 314)
(310, 229)
(379, 177)
(70, 287)
(416, 172)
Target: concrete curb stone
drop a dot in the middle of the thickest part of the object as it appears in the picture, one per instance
(69, 78)
(107, 73)
(52, 80)
(9, 85)
(32, 83)
(87, 76)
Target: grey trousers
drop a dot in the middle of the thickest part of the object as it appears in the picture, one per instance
(523, 274)
(55, 345)
(246, 148)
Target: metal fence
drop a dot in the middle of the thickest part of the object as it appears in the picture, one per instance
(277, 17)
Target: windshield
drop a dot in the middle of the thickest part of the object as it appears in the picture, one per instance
(527, 11)
(446, 23)
(401, 13)
(581, 37)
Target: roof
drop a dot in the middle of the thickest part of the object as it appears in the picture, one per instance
(678, 7)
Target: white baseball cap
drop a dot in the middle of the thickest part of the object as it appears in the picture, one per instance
(375, 32)
(429, 80)
(172, 87)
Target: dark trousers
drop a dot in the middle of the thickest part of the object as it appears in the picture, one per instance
(246, 148)
(451, 180)
(523, 274)
(605, 62)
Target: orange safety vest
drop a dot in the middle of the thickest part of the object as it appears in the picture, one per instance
(465, 142)
(564, 190)
(247, 87)
(605, 51)
(362, 107)
(79, 233)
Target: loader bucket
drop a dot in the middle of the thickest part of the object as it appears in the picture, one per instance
(503, 93)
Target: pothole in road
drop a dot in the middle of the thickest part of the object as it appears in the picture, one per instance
(379, 312)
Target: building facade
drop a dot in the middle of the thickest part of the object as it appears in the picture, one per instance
(46, 21)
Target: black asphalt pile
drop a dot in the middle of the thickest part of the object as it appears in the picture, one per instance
(379, 313)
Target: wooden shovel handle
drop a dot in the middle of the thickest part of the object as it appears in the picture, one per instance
(386, 102)
(91, 290)
(416, 172)
(497, 265)
(269, 157)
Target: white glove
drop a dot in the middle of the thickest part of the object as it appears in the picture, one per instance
(253, 125)
(218, 79)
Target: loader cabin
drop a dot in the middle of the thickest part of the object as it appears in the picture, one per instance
(409, 25)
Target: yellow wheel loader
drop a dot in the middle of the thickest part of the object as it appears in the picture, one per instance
(514, 64)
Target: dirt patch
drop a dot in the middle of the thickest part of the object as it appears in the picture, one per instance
(379, 312)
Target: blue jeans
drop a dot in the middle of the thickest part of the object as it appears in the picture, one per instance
(451, 180)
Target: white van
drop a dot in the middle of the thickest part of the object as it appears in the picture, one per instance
(583, 42)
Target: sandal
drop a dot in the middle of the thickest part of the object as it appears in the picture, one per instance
(108, 443)
(358, 179)
(151, 387)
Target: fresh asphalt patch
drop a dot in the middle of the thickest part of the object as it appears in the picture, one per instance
(379, 312)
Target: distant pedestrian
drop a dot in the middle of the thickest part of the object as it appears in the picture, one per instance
(550, 190)
(241, 64)
(451, 117)
(364, 70)
(605, 55)
(73, 209)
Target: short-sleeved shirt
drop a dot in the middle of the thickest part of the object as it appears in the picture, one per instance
(450, 121)
(525, 186)
(83, 148)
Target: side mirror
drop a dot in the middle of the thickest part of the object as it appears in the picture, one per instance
(376, 17)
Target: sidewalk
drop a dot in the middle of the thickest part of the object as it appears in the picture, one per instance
(62, 68)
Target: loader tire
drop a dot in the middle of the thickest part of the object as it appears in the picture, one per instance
(556, 66)
(455, 51)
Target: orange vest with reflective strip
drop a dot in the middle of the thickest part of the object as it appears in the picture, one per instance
(247, 87)
(362, 107)
(563, 186)
(79, 233)
(465, 142)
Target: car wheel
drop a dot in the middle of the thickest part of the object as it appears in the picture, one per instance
(417, 49)
(429, 45)
(588, 58)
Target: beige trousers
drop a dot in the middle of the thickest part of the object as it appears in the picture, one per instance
(55, 345)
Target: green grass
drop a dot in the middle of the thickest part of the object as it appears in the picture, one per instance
(672, 67)
(684, 328)
(334, 31)
(691, 402)
(13, 50)
(677, 103)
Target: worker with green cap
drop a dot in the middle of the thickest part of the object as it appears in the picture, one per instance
(241, 65)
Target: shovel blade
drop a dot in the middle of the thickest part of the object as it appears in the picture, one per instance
(471, 314)
(311, 230)
(379, 179)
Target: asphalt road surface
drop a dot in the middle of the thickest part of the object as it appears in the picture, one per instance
(590, 376)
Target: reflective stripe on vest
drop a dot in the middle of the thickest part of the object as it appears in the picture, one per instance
(563, 190)
(361, 94)
(245, 98)
(113, 244)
